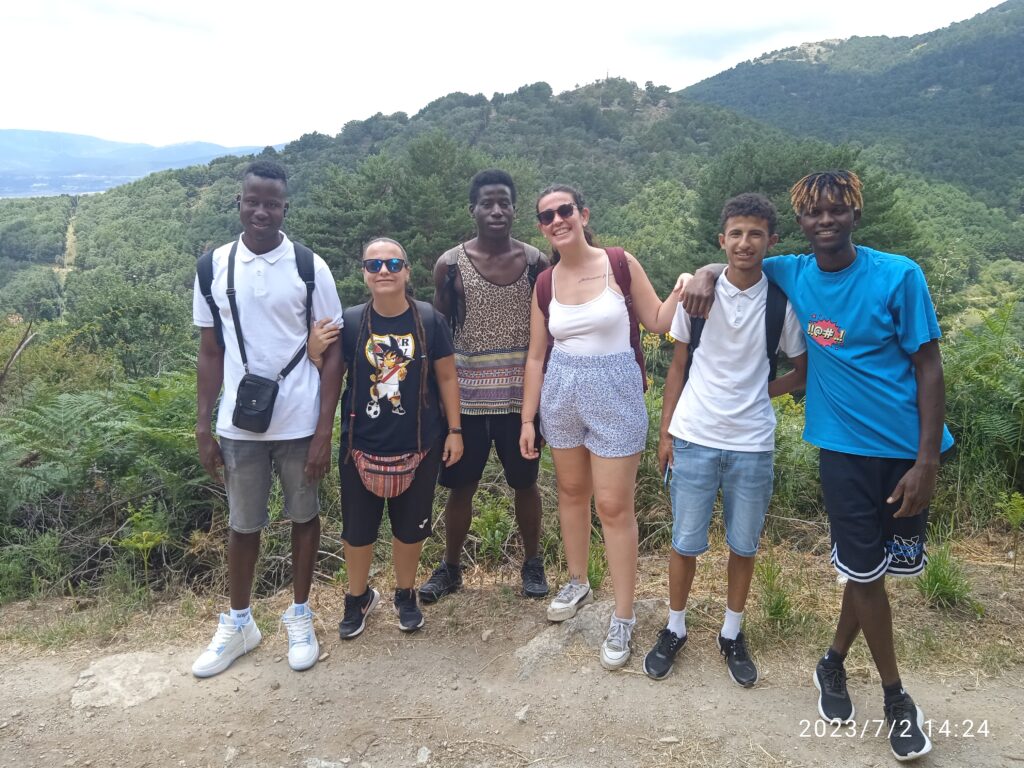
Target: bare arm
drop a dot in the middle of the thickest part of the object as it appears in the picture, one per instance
(448, 383)
(332, 369)
(532, 379)
(699, 293)
(675, 380)
(441, 302)
(209, 378)
(322, 335)
(655, 314)
(917, 486)
(792, 381)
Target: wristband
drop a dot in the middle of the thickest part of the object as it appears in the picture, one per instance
(454, 430)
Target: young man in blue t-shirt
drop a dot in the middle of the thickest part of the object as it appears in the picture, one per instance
(875, 407)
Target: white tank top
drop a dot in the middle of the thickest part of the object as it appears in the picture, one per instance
(596, 327)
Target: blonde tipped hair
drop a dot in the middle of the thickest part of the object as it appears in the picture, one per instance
(837, 186)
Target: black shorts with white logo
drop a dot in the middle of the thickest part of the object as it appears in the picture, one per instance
(867, 541)
(478, 432)
(410, 512)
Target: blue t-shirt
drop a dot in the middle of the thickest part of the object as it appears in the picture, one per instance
(862, 323)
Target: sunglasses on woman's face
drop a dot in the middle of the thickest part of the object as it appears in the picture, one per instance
(394, 265)
(564, 212)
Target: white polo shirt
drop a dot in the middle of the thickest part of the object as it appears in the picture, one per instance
(271, 300)
(725, 402)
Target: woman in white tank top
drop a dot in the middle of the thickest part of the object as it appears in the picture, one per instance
(591, 404)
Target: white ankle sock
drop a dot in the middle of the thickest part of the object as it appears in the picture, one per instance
(241, 617)
(300, 609)
(677, 622)
(731, 625)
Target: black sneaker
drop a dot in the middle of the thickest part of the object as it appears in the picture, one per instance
(904, 720)
(834, 703)
(445, 580)
(356, 611)
(658, 662)
(535, 583)
(410, 618)
(737, 658)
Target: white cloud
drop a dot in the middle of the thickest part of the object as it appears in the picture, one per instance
(260, 72)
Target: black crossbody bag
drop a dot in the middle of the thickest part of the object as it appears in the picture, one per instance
(254, 401)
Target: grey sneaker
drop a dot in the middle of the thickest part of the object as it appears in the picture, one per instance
(569, 599)
(615, 649)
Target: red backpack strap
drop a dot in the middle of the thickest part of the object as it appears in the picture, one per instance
(620, 268)
(543, 289)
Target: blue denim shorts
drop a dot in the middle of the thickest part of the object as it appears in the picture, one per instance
(249, 466)
(596, 402)
(746, 480)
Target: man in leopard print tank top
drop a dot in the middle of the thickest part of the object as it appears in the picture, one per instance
(484, 287)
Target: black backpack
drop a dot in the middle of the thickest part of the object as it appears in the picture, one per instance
(204, 271)
(774, 318)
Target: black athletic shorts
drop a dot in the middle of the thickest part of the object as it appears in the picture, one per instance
(478, 432)
(410, 512)
(867, 541)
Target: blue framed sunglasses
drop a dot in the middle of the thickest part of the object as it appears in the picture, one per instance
(394, 265)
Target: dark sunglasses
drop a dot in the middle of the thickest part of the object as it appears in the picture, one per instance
(564, 212)
(394, 265)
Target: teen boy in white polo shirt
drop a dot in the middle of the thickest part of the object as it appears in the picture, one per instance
(718, 429)
(271, 302)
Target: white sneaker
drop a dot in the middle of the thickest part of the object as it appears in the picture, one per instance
(569, 599)
(229, 642)
(303, 649)
(615, 649)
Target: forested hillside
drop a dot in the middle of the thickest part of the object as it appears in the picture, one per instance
(948, 103)
(97, 346)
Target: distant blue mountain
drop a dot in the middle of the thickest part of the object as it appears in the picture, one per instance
(48, 163)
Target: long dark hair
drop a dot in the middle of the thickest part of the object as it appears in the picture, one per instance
(577, 198)
(365, 332)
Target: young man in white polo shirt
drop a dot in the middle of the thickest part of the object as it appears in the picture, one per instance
(718, 427)
(271, 301)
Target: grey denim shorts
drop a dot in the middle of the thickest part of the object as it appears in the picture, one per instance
(248, 470)
(596, 402)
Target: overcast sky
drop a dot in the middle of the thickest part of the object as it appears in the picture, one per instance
(256, 72)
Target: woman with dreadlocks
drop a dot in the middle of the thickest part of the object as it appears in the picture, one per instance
(401, 369)
(875, 405)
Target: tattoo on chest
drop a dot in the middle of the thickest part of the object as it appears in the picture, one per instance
(592, 277)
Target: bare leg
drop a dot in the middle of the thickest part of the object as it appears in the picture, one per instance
(572, 475)
(871, 605)
(528, 517)
(458, 512)
(740, 572)
(406, 558)
(849, 625)
(243, 549)
(357, 562)
(681, 570)
(305, 547)
(614, 496)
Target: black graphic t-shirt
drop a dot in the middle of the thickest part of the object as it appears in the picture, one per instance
(383, 382)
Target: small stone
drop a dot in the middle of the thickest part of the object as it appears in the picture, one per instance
(229, 734)
(521, 714)
(275, 685)
(278, 659)
(16, 713)
(230, 754)
(455, 685)
(486, 634)
(324, 656)
(592, 750)
(668, 740)
(3, 725)
(422, 756)
(235, 689)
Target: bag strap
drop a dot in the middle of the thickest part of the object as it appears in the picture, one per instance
(774, 318)
(620, 268)
(543, 290)
(532, 264)
(307, 271)
(204, 272)
(696, 329)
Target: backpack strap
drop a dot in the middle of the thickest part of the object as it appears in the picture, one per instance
(696, 329)
(533, 264)
(455, 317)
(204, 273)
(543, 290)
(620, 268)
(774, 318)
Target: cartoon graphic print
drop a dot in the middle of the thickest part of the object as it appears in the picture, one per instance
(390, 356)
(825, 332)
(905, 551)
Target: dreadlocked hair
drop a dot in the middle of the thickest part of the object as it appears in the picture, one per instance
(366, 332)
(840, 186)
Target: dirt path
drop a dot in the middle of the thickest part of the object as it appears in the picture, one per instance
(530, 694)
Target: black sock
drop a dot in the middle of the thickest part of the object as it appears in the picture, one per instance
(892, 691)
(833, 657)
